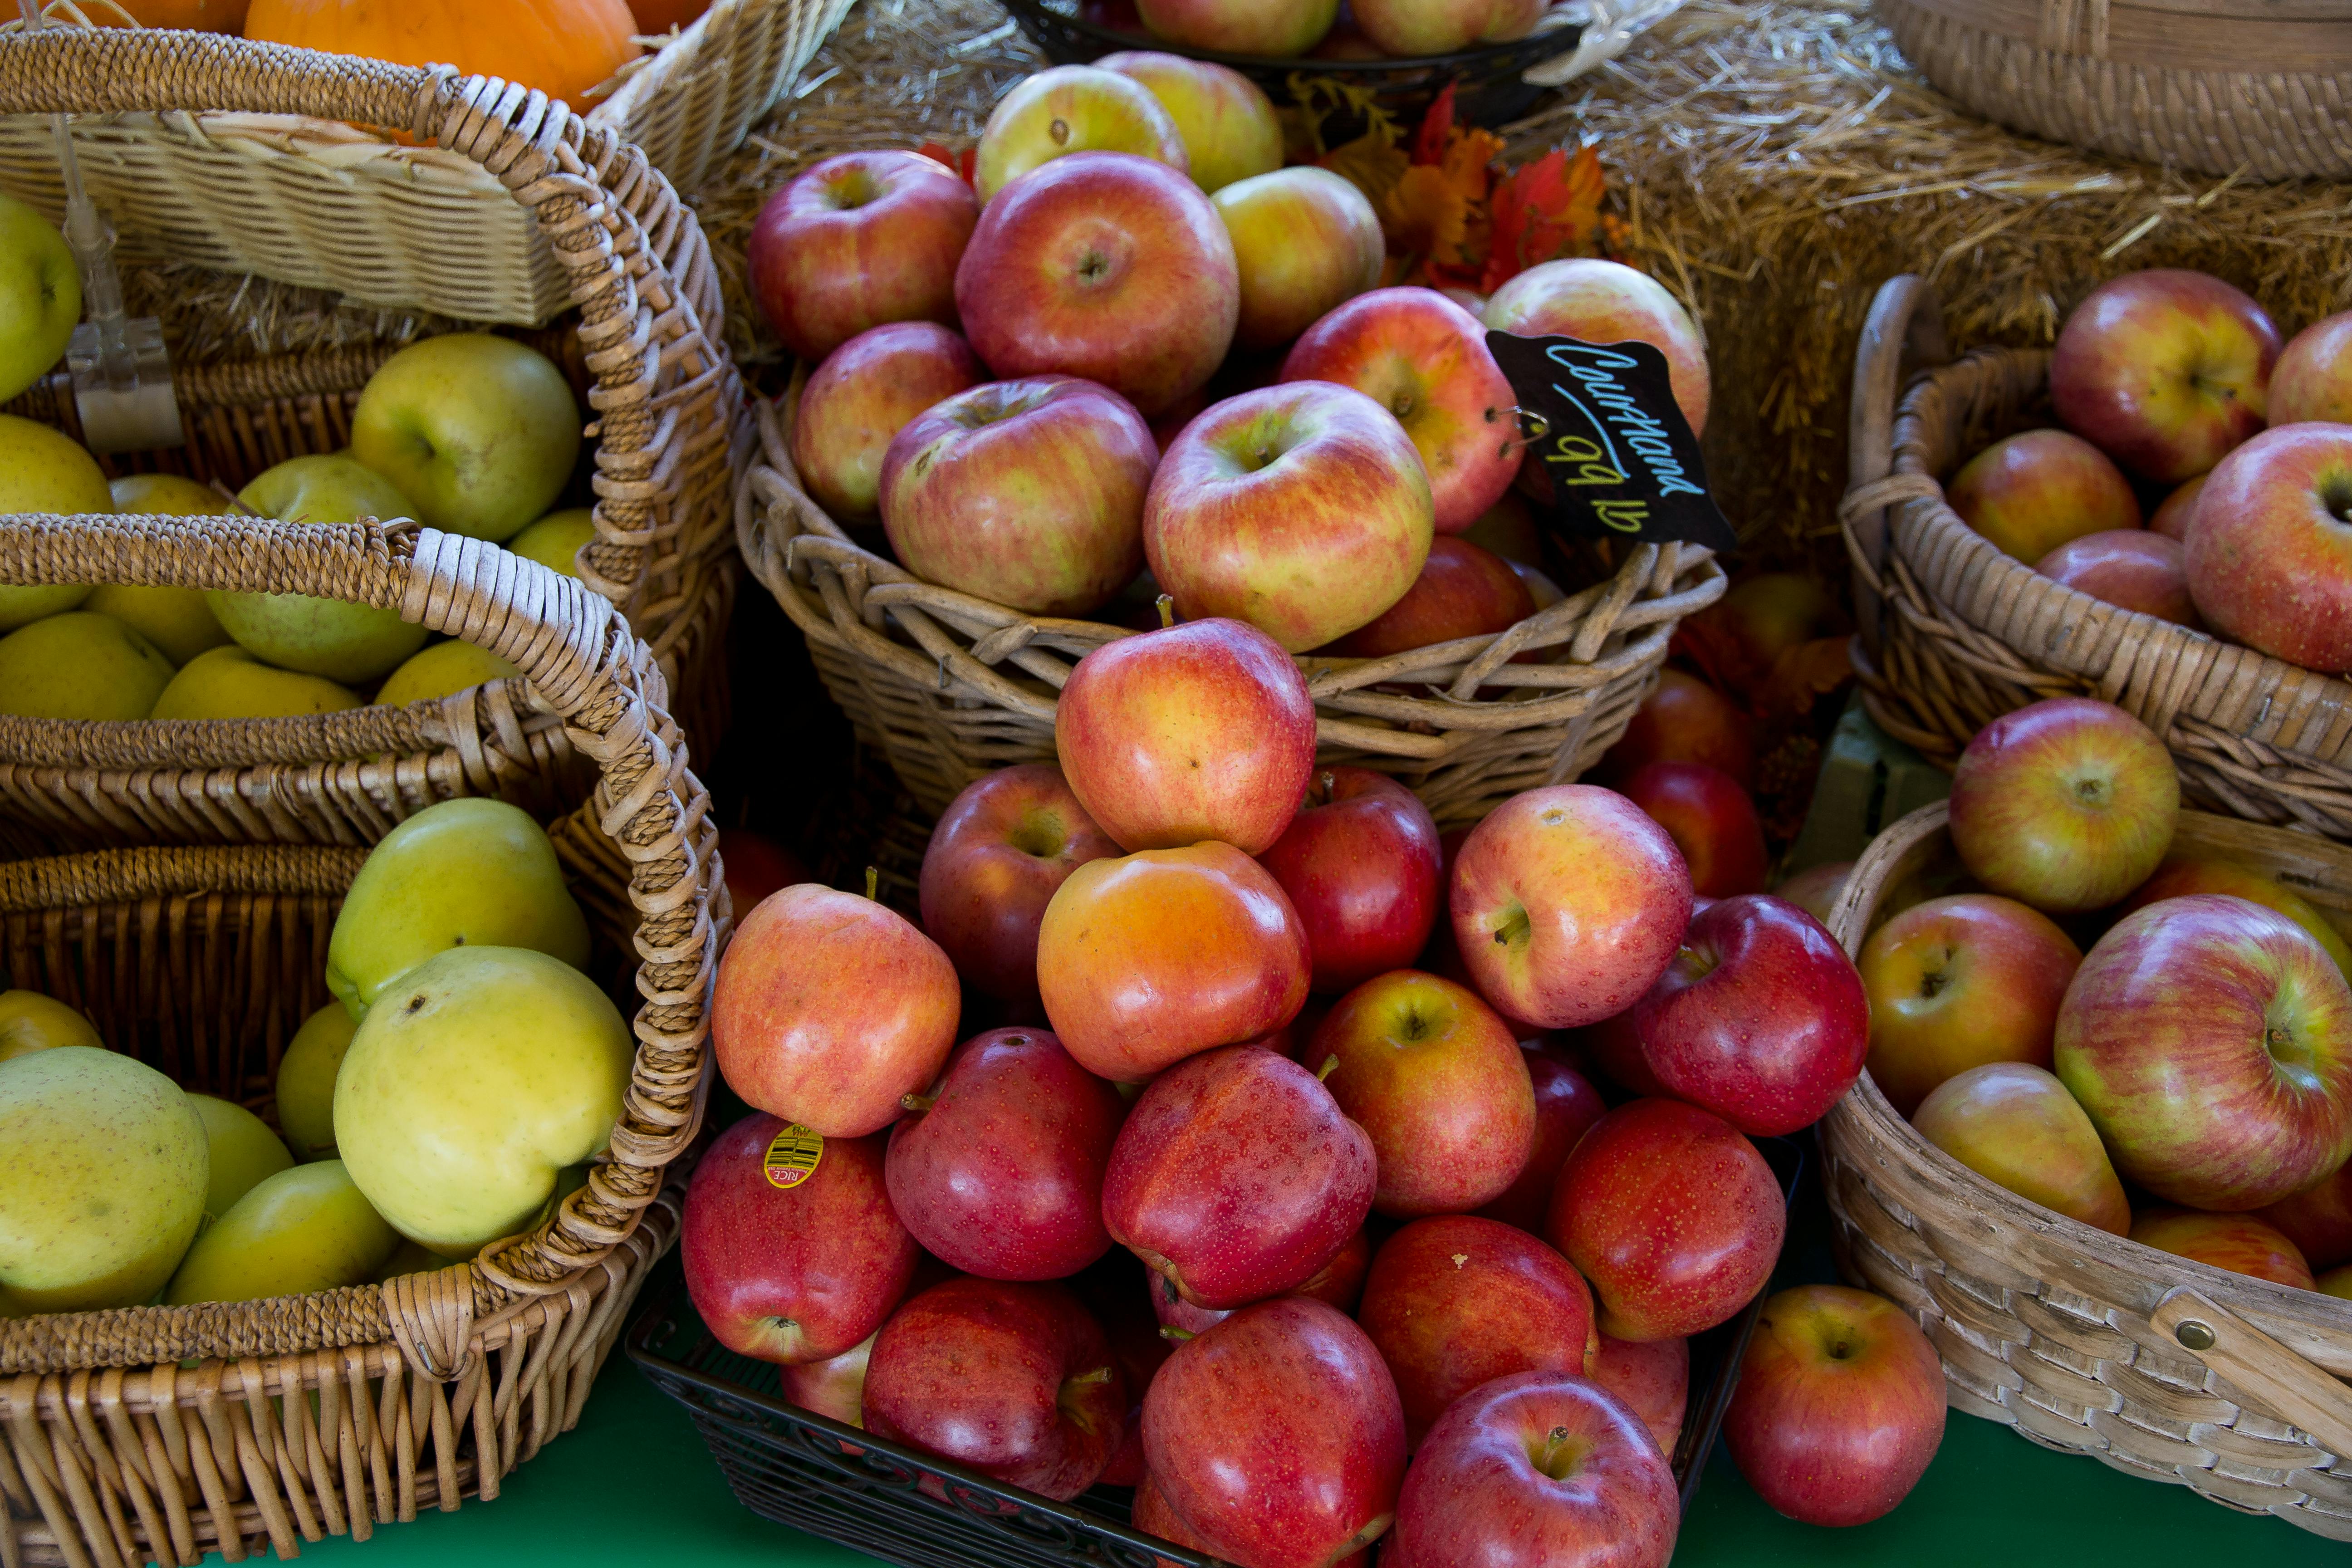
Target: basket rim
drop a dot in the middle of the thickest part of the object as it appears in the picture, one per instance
(1523, 52)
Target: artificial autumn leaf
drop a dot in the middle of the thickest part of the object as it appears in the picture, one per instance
(1542, 211)
(1370, 164)
(1424, 216)
(1437, 129)
(1804, 674)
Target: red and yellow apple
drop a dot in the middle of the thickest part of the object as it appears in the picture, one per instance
(1004, 847)
(2015, 1125)
(2163, 371)
(2318, 1219)
(2067, 805)
(1066, 110)
(2270, 562)
(2131, 568)
(2173, 515)
(1958, 982)
(2240, 1243)
(2181, 875)
(1462, 592)
(862, 396)
(1228, 124)
(1684, 719)
(2032, 492)
(1307, 241)
(2313, 379)
(1412, 29)
(857, 240)
(1284, 31)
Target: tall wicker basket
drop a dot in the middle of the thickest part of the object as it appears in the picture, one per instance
(161, 1433)
(2085, 1342)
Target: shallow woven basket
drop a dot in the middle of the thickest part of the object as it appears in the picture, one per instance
(1954, 633)
(2259, 87)
(156, 1431)
(261, 182)
(950, 687)
(2085, 1342)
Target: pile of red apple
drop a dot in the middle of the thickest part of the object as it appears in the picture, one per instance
(2177, 395)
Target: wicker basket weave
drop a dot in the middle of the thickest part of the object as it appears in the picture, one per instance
(1955, 634)
(920, 668)
(2085, 1342)
(280, 188)
(113, 1448)
(2262, 88)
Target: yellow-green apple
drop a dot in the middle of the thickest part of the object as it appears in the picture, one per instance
(856, 240)
(793, 1274)
(1072, 109)
(1670, 1214)
(343, 642)
(31, 1022)
(2318, 1219)
(1815, 889)
(834, 1388)
(2238, 1242)
(1438, 1083)
(1339, 1283)
(2035, 491)
(1712, 820)
(864, 394)
(1652, 1378)
(1411, 30)
(240, 1153)
(1454, 1301)
(1536, 1468)
(2269, 561)
(1237, 1177)
(556, 540)
(1227, 122)
(175, 620)
(1958, 982)
(2014, 1124)
(298, 1230)
(2163, 371)
(1014, 1380)
(998, 1170)
(1305, 241)
(1685, 720)
(476, 1080)
(40, 297)
(462, 871)
(1277, 1436)
(1361, 864)
(104, 1183)
(230, 683)
(1567, 903)
(2337, 1282)
(1567, 1105)
(1425, 359)
(2131, 568)
(1302, 508)
(2313, 378)
(306, 1080)
(480, 431)
(42, 469)
(1108, 265)
(830, 1008)
(2181, 875)
(1283, 30)
(80, 665)
(1840, 1405)
(2067, 805)
(2210, 1041)
(2173, 515)
(1194, 732)
(1607, 302)
(1462, 592)
(1028, 493)
(441, 669)
(1003, 847)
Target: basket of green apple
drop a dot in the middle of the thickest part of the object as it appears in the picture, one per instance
(332, 1172)
(1193, 373)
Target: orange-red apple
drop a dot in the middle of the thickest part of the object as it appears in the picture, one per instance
(1653, 1379)
(2177, 510)
(2035, 491)
(1712, 820)
(2269, 561)
(2313, 379)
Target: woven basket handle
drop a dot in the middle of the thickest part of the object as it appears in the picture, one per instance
(1904, 332)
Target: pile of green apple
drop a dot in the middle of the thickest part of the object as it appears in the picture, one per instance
(450, 1095)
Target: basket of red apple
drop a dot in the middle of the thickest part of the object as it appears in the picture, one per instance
(1163, 391)
(332, 1172)
(2174, 542)
(2100, 1148)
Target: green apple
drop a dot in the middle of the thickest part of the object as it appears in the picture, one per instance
(41, 470)
(441, 670)
(104, 1182)
(481, 430)
(242, 1149)
(168, 495)
(31, 1022)
(554, 541)
(306, 1081)
(40, 297)
(466, 872)
(303, 1229)
(176, 620)
(80, 665)
(230, 683)
(471, 1085)
(321, 636)
(410, 1258)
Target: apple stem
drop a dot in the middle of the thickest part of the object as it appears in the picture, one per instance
(917, 1102)
(1330, 782)
(1179, 1335)
(1091, 1375)
(873, 880)
(1166, 605)
(1330, 1065)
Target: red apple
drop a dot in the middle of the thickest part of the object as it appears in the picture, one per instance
(2131, 568)
(1066, 110)
(2318, 1219)
(1425, 359)
(1509, 528)
(1004, 846)
(1144, 960)
(1411, 30)
(2269, 562)
(1361, 866)
(1540, 1469)
(1614, 1050)
(1301, 508)
(1816, 888)
(2237, 1242)
(1567, 1105)
(1462, 592)
(865, 393)
(1107, 266)
(1278, 1437)
(1016, 1381)
(1840, 1405)
(1151, 1515)
(1673, 1216)
(1747, 641)
(1111, 1294)
(2181, 875)
(2066, 803)
(2165, 371)
(1958, 982)
(756, 865)
(856, 240)
(2173, 515)
(835, 1389)
(2313, 379)
(1228, 124)
(1712, 821)
(1339, 1283)
(1684, 719)
(2035, 491)
(1240, 26)
(2015, 1125)
(2210, 1041)
(1195, 731)
(1567, 903)
(829, 1007)
(796, 1274)
(1653, 1379)
(1305, 241)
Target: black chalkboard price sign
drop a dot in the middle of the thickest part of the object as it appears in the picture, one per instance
(1622, 460)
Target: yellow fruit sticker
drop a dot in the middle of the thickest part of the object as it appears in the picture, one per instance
(792, 1158)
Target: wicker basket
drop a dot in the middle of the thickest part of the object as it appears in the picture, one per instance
(194, 161)
(1955, 634)
(917, 668)
(2085, 1342)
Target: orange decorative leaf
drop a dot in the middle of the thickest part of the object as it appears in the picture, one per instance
(1424, 215)
(1370, 164)
(1804, 674)
(1542, 211)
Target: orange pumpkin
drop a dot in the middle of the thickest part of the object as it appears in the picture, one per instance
(193, 15)
(658, 16)
(563, 47)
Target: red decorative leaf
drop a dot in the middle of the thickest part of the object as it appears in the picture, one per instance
(1542, 211)
(1437, 129)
